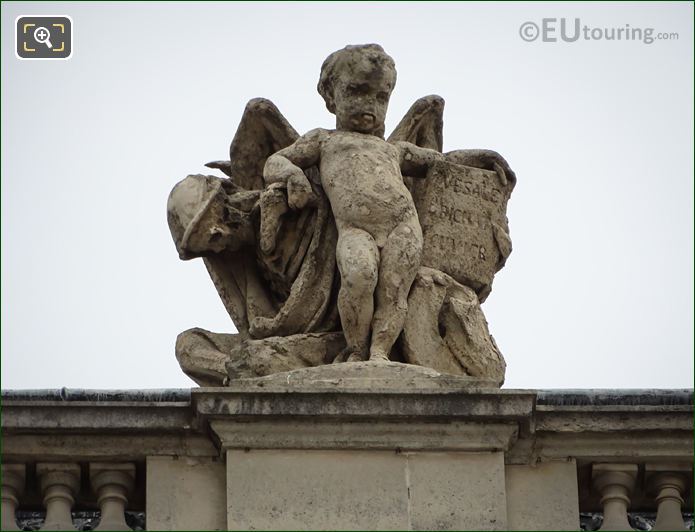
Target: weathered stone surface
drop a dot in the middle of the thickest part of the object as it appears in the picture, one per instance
(365, 376)
(348, 434)
(112, 483)
(185, 493)
(464, 223)
(258, 358)
(326, 232)
(203, 218)
(364, 405)
(316, 490)
(59, 483)
(600, 425)
(211, 359)
(366, 490)
(445, 329)
(379, 243)
(13, 482)
(542, 496)
(203, 355)
(444, 442)
(457, 491)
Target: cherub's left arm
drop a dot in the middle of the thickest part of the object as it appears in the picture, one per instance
(414, 160)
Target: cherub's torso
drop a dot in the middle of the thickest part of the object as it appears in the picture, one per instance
(362, 178)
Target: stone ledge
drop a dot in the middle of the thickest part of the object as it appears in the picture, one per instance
(350, 405)
(655, 445)
(94, 416)
(612, 397)
(304, 434)
(447, 413)
(606, 418)
(364, 406)
(70, 445)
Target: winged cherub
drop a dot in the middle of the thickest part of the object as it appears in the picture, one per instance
(297, 211)
(379, 236)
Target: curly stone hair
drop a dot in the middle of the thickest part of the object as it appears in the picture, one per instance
(348, 57)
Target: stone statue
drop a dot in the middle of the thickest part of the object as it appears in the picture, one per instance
(339, 246)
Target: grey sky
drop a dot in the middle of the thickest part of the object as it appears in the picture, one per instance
(597, 293)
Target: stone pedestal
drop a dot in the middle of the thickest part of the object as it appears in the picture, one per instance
(365, 490)
(186, 493)
(365, 446)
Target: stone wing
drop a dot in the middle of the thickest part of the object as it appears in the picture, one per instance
(262, 131)
(422, 125)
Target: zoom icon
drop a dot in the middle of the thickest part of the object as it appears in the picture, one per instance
(43, 37)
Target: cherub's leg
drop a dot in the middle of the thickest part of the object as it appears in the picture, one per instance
(358, 261)
(400, 261)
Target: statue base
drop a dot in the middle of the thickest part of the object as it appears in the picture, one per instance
(365, 445)
(363, 376)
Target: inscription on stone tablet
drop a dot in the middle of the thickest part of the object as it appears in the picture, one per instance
(463, 216)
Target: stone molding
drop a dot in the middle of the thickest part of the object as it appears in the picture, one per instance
(529, 425)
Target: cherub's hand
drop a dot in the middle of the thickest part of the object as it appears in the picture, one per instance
(503, 170)
(299, 192)
(486, 160)
(416, 161)
(280, 170)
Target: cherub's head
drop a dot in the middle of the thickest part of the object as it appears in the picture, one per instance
(356, 83)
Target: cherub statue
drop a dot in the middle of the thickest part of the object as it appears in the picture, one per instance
(314, 242)
(379, 236)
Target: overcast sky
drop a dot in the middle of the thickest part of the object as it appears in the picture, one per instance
(598, 292)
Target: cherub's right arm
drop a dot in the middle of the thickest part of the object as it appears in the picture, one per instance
(415, 161)
(287, 165)
(302, 154)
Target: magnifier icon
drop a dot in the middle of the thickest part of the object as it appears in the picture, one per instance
(43, 36)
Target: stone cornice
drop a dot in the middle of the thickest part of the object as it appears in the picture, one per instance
(529, 425)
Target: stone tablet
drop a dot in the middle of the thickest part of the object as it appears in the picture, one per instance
(462, 211)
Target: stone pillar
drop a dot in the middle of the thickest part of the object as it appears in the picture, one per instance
(112, 483)
(364, 446)
(13, 477)
(59, 483)
(615, 483)
(542, 496)
(186, 493)
(668, 482)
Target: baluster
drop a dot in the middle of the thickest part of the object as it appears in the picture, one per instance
(615, 483)
(59, 483)
(112, 484)
(668, 482)
(13, 478)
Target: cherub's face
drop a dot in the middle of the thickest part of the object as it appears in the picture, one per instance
(361, 98)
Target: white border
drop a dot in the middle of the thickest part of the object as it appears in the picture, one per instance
(72, 39)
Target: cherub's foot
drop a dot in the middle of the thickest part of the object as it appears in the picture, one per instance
(342, 356)
(377, 355)
(349, 354)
